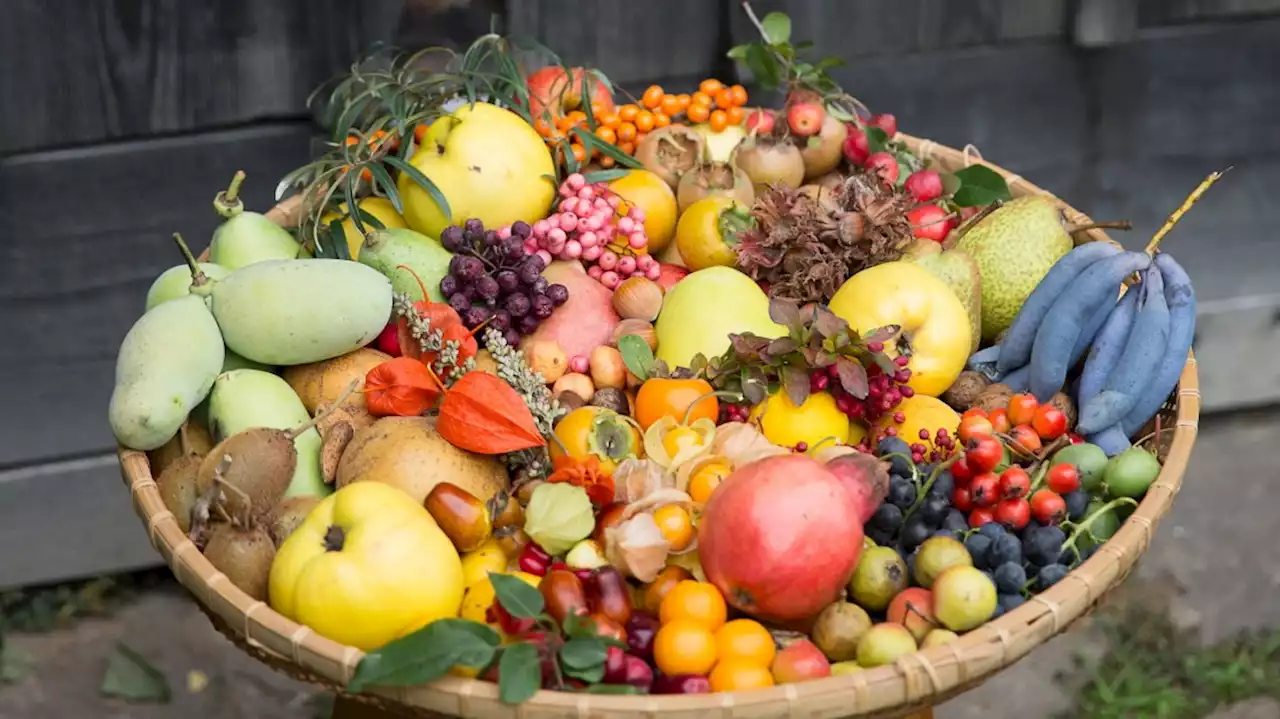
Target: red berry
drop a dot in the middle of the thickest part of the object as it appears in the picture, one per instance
(886, 166)
(509, 624)
(984, 453)
(1048, 507)
(389, 339)
(985, 489)
(929, 222)
(1049, 422)
(1075, 438)
(1063, 478)
(961, 499)
(856, 148)
(924, 185)
(534, 560)
(981, 516)
(1024, 439)
(885, 122)
(961, 470)
(1022, 407)
(1014, 483)
(805, 118)
(760, 121)
(1013, 513)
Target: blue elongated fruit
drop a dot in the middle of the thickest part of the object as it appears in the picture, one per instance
(1148, 341)
(1090, 331)
(1181, 298)
(1106, 348)
(1016, 348)
(984, 361)
(1018, 379)
(1112, 440)
(1093, 288)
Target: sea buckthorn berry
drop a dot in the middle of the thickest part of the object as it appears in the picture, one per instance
(661, 119)
(606, 134)
(670, 104)
(710, 86)
(724, 98)
(719, 120)
(626, 132)
(739, 95)
(628, 112)
(644, 121)
(627, 148)
(652, 96)
(685, 99)
(610, 120)
(702, 98)
(736, 115)
(698, 113)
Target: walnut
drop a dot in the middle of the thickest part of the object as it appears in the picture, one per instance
(994, 397)
(1063, 402)
(964, 392)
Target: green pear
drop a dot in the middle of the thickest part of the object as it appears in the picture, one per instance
(960, 272)
(1014, 247)
(704, 308)
(921, 247)
(408, 258)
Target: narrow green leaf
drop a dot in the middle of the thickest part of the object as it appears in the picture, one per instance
(583, 652)
(383, 180)
(519, 673)
(519, 599)
(605, 175)
(347, 119)
(840, 113)
(827, 63)
(349, 196)
(337, 243)
(426, 654)
(425, 183)
(131, 677)
(980, 185)
(777, 27)
(621, 689)
(636, 355)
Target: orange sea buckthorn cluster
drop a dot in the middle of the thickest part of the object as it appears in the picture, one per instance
(714, 102)
(375, 140)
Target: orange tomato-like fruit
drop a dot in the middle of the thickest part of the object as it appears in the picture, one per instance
(684, 647)
(1022, 408)
(676, 526)
(710, 86)
(745, 640)
(1000, 421)
(736, 675)
(698, 113)
(705, 480)
(694, 601)
(971, 426)
(665, 397)
(661, 586)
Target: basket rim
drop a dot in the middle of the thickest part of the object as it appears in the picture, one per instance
(915, 680)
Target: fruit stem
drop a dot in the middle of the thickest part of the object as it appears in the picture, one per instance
(928, 485)
(1042, 471)
(297, 431)
(228, 203)
(1083, 526)
(968, 224)
(1182, 209)
(1110, 225)
(724, 393)
(198, 278)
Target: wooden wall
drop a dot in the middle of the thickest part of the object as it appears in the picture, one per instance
(122, 118)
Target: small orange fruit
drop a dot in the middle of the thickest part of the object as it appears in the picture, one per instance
(737, 674)
(698, 602)
(705, 480)
(746, 640)
(676, 526)
(684, 647)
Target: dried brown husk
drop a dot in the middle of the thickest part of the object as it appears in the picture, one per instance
(805, 251)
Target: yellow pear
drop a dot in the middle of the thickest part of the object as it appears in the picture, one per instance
(488, 163)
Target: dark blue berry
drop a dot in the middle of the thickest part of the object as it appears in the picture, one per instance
(459, 302)
(1049, 576)
(880, 536)
(540, 285)
(512, 337)
(948, 533)
(521, 229)
(474, 226)
(933, 510)
(475, 316)
(508, 281)
(1009, 602)
(491, 239)
(887, 517)
(943, 485)
(513, 249)
(914, 532)
(993, 530)
(448, 285)
(901, 492)
(1042, 544)
(1004, 549)
(559, 294)
(1077, 504)
(979, 546)
(1070, 556)
(487, 288)
(518, 305)
(542, 306)
(451, 238)
(955, 520)
(530, 270)
(501, 321)
(1010, 578)
(469, 269)
(528, 325)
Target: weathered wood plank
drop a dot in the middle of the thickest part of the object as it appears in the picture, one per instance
(94, 233)
(122, 68)
(1170, 12)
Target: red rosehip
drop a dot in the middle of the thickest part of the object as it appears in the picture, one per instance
(1048, 507)
(984, 489)
(981, 516)
(1014, 483)
(1013, 513)
(961, 499)
(1049, 422)
(983, 453)
(1063, 478)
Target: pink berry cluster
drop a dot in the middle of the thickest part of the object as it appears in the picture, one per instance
(588, 226)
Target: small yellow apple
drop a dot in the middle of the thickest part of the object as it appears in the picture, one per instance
(933, 324)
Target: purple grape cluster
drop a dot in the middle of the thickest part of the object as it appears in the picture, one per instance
(491, 280)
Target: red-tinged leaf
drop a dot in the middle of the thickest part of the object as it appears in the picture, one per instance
(483, 414)
(853, 377)
(796, 384)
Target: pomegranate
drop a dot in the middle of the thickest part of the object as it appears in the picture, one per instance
(822, 152)
(866, 478)
(781, 537)
(715, 179)
(767, 161)
(805, 118)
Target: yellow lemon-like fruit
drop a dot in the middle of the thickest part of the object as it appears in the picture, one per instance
(478, 563)
(368, 565)
(923, 413)
(481, 595)
(488, 163)
(787, 425)
(705, 233)
(933, 323)
(647, 191)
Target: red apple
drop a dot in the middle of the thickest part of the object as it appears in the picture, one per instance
(856, 146)
(760, 122)
(780, 537)
(805, 118)
(554, 92)
(924, 185)
(930, 222)
(885, 165)
(885, 122)
(671, 274)
(800, 661)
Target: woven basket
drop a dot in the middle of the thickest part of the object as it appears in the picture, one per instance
(914, 682)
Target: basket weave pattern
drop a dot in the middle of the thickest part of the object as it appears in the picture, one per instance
(915, 681)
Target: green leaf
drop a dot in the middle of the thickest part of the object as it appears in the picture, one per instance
(839, 113)
(132, 678)
(424, 182)
(950, 183)
(586, 674)
(427, 654)
(980, 185)
(829, 62)
(605, 175)
(738, 52)
(583, 652)
(383, 179)
(611, 689)
(579, 625)
(636, 355)
(337, 242)
(764, 66)
(877, 139)
(777, 27)
(519, 599)
(519, 673)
